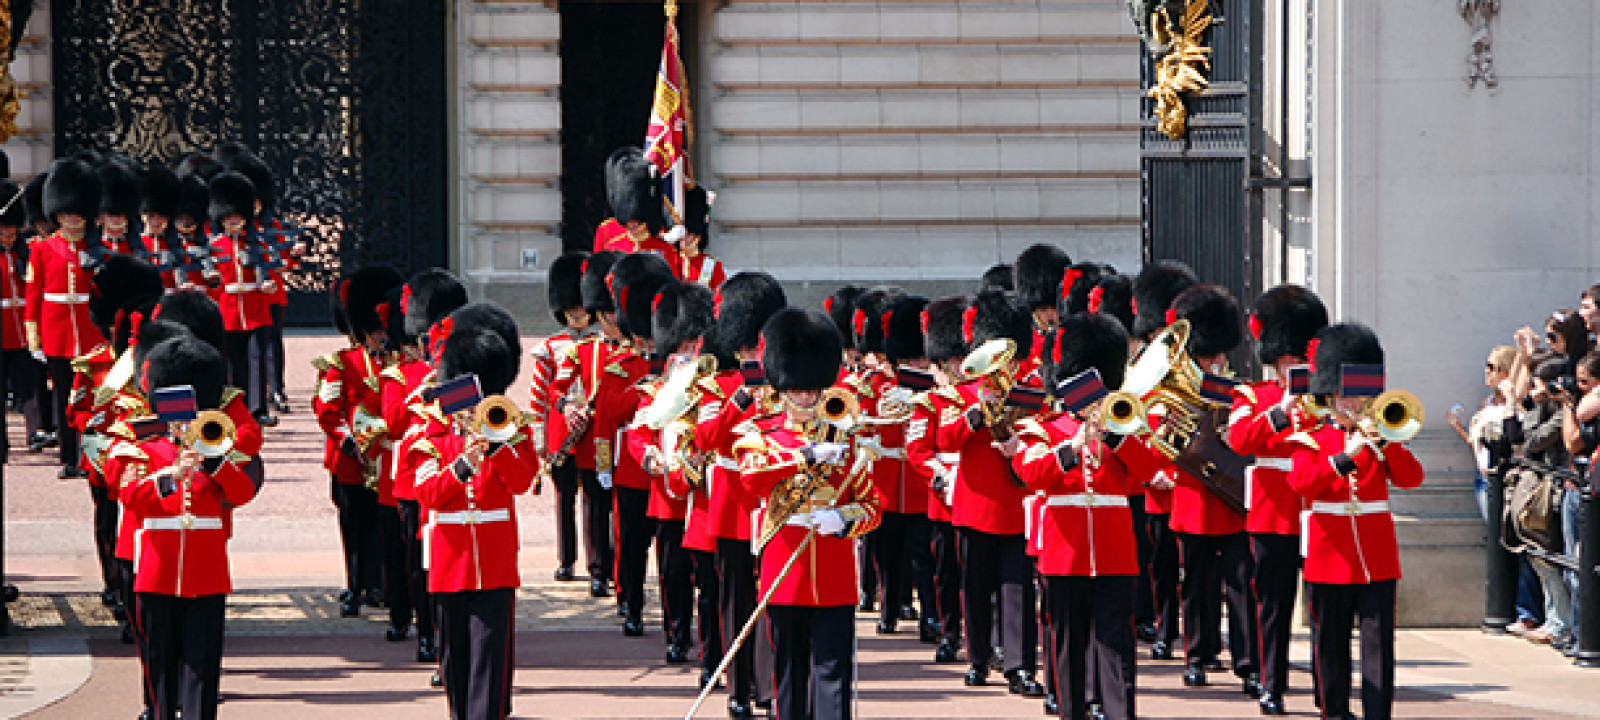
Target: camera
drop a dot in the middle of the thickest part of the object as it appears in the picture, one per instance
(1565, 384)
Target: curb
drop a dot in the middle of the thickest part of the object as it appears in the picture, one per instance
(57, 667)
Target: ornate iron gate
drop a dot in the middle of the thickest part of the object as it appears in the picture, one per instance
(345, 99)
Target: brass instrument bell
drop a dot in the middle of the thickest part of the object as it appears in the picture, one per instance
(210, 433)
(497, 418)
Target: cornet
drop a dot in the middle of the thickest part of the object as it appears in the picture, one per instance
(210, 433)
(497, 419)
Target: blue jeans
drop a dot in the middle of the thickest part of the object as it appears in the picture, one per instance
(1569, 538)
(1480, 490)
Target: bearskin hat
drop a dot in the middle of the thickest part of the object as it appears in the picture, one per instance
(745, 303)
(1038, 274)
(194, 199)
(196, 311)
(841, 308)
(1337, 346)
(632, 188)
(683, 312)
(902, 329)
(159, 192)
(802, 350)
(483, 341)
(367, 289)
(232, 194)
(565, 283)
(1113, 295)
(1084, 341)
(151, 334)
(1216, 324)
(185, 360)
(73, 187)
(33, 200)
(229, 151)
(430, 296)
(634, 281)
(17, 213)
(120, 187)
(199, 165)
(697, 213)
(341, 319)
(1285, 319)
(596, 295)
(1153, 292)
(942, 333)
(254, 168)
(998, 277)
(394, 317)
(1084, 277)
(123, 282)
(999, 314)
(866, 323)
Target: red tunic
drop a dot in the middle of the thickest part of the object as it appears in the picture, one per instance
(703, 269)
(768, 452)
(699, 532)
(653, 244)
(902, 491)
(13, 296)
(731, 502)
(601, 374)
(399, 388)
(348, 383)
(609, 231)
(182, 539)
(547, 435)
(628, 470)
(1254, 428)
(58, 292)
(244, 304)
(987, 497)
(472, 525)
(1348, 536)
(924, 455)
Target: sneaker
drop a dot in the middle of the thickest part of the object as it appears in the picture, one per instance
(1522, 627)
(1538, 636)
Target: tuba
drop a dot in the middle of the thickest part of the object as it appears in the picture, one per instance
(210, 433)
(992, 362)
(497, 419)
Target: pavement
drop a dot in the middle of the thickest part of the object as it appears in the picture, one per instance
(289, 655)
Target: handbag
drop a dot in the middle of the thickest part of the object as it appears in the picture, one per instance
(1532, 514)
(1209, 459)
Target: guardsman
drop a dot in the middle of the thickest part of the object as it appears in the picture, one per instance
(158, 203)
(634, 282)
(42, 227)
(946, 347)
(1153, 291)
(1264, 416)
(1085, 533)
(634, 194)
(246, 286)
(861, 372)
(1039, 272)
(467, 482)
(747, 301)
(20, 368)
(988, 499)
(1211, 536)
(194, 267)
(682, 314)
(182, 494)
(819, 495)
(59, 288)
(120, 190)
(841, 308)
(566, 303)
(698, 266)
(349, 410)
(278, 248)
(999, 276)
(582, 375)
(904, 349)
(1352, 559)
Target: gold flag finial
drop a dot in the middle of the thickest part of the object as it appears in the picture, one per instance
(672, 10)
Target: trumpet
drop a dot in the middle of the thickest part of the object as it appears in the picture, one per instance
(211, 434)
(497, 419)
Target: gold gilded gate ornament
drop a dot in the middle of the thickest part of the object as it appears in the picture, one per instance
(1179, 70)
(10, 94)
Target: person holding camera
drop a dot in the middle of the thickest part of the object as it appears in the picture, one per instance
(1536, 429)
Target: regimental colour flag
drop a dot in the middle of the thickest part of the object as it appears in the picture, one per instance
(666, 142)
(1361, 380)
(176, 403)
(462, 393)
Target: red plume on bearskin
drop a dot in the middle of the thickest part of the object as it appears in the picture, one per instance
(1340, 345)
(1153, 292)
(1286, 318)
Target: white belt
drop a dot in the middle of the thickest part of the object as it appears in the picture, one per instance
(727, 463)
(8, 304)
(1272, 463)
(801, 519)
(183, 522)
(892, 454)
(69, 298)
(1086, 500)
(242, 287)
(471, 517)
(1351, 508)
(949, 458)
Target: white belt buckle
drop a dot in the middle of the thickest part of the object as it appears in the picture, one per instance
(472, 517)
(186, 521)
(1353, 507)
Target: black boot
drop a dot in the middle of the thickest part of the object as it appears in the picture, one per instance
(949, 651)
(1021, 682)
(977, 676)
(928, 631)
(426, 652)
(1272, 705)
(1195, 676)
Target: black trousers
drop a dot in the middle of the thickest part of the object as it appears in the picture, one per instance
(421, 600)
(1094, 617)
(60, 371)
(1050, 632)
(476, 651)
(44, 397)
(184, 653)
(919, 552)
(273, 345)
(1144, 606)
(866, 551)
(130, 600)
(396, 573)
(597, 527)
(947, 577)
(750, 673)
(565, 479)
(1277, 580)
(105, 535)
(891, 564)
(635, 529)
(708, 588)
(1214, 566)
(813, 660)
(996, 571)
(675, 572)
(1334, 609)
(358, 531)
(1163, 575)
(247, 369)
(21, 373)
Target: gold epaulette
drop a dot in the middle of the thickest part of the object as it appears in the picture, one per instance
(711, 387)
(121, 431)
(1032, 427)
(1248, 392)
(325, 362)
(426, 446)
(616, 368)
(948, 392)
(129, 449)
(228, 395)
(1305, 439)
(749, 442)
(129, 402)
(393, 372)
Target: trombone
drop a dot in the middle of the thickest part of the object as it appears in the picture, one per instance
(210, 433)
(1396, 416)
(497, 419)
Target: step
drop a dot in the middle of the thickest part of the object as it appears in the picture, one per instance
(857, 204)
(992, 111)
(1437, 532)
(752, 158)
(891, 67)
(1063, 23)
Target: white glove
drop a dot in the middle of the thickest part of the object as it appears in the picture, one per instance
(604, 477)
(829, 453)
(950, 487)
(676, 234)
(828, 521)
(39, 356)
(1353, 444)
(870, 445)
